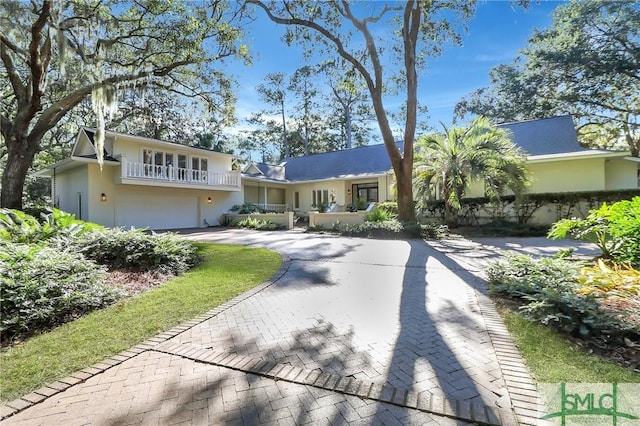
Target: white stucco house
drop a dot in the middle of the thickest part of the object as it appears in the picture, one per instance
(144, 183)
(154, 184)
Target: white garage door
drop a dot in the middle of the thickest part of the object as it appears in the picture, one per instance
(156, 211)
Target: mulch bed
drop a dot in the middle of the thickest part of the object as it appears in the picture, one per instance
(135, 282)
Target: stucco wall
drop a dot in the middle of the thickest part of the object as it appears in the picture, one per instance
(102, 212)
(67, 186)
(148, 206)
(621, 174)
(567, 176)
(329, 219)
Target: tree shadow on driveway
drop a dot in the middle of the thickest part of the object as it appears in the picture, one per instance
(443, 347)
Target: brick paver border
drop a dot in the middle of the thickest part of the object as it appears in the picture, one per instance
(521, 387)
(433, 403)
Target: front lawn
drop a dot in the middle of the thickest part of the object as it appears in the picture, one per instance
(225, 272)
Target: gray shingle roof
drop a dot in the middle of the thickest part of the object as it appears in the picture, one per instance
(367, 160)
(555, 135)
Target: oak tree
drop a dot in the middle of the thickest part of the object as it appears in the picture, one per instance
(586, 64)
(57, 54)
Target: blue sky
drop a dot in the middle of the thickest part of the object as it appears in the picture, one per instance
(495, 34)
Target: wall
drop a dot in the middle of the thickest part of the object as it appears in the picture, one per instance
(102, 212)
(621, 174)
(68, 184)
(132, 150)
(567, 176)
(153, 207)
(329, 219)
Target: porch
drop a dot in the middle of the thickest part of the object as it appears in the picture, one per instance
(149, 174)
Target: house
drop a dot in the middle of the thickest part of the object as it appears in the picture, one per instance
(144, 183)
(339, 178)
(556, 161)
(154, 184)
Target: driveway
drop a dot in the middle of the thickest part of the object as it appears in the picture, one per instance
(350, 331)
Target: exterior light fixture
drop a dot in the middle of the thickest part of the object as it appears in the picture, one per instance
(348, 191)
(103, 197)
(209, 200)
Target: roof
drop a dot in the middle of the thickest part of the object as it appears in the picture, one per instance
(555, 135)
(364, 161)
(106, 156)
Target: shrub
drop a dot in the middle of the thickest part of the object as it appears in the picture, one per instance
(621, 280)
(20, 227)
(614, 228)
(258, 224)
(137, 250)
(390, 207)
(377, 215)
(246, 208)
(45, 287)
(550, 293)
(391, 229)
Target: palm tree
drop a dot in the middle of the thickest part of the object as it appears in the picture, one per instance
(446, 164)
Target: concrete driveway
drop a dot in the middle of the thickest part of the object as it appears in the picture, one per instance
(350, 331)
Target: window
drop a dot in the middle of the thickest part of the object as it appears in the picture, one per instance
(182, 167)
(366, 191)
(199, 168)
(320, 196)
(296, 200)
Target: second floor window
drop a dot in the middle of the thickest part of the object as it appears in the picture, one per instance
(199, 168)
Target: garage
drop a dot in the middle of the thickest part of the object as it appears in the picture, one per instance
(156, 210)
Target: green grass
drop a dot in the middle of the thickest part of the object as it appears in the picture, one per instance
(225, 272)
(551, 358)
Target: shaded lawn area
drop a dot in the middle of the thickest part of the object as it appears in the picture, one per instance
(552, 358)
(226, 271)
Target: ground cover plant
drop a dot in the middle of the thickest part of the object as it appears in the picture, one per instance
(595, 303)
(551, 358)
(56, 268)
(225, 271)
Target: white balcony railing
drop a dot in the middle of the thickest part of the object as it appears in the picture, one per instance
(179, 175)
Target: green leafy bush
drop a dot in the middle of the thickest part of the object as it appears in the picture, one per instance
(246, 208)
(20, 227)
(258, 224)
(390, 207)
(614, 228)
(43, 287)
(391, 229)
(138, 250)
(377, 215)
(550, 293)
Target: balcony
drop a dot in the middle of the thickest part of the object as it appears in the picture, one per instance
(148, 174)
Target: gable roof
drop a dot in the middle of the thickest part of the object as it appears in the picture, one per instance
(368, 160)
(547, 136)
(88, 150)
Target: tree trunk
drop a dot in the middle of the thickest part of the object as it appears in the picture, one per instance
(404, 182)
(20, 154)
